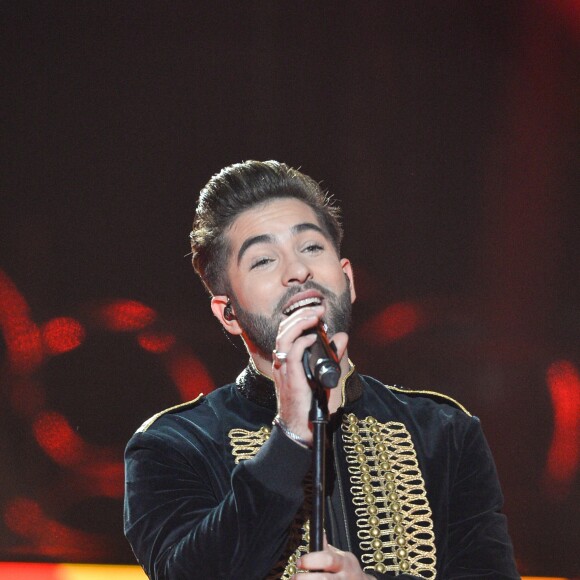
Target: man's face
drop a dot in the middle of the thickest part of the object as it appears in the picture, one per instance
(281, 260)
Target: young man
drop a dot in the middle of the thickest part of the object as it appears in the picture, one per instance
(218, 488)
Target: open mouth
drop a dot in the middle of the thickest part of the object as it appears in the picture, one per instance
(310, 301)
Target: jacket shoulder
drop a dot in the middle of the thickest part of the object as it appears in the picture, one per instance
(176, 408)
(433, 395)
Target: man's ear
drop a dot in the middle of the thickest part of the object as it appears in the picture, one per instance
(347, 269)
(222, 310)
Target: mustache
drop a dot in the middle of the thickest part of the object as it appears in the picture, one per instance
(309, 285)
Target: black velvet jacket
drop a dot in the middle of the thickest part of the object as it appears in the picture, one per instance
(214, 492)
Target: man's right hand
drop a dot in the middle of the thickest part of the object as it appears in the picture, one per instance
(292, 389)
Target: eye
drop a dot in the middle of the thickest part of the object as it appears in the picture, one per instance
(313, 248)
(260, 262)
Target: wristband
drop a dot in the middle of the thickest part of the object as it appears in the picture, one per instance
(284, 428)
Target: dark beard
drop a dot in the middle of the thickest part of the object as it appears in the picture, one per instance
(262, 330)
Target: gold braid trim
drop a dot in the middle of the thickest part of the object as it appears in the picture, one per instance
(245, 444)
(152, 420)
(298, 544)
(394, 518)
(434, 394)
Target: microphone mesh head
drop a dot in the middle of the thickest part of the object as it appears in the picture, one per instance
(328, 375)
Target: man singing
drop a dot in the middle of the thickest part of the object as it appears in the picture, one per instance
(218, 488)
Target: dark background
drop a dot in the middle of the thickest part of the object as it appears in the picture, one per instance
(447, 130)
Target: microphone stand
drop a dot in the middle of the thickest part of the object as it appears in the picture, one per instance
(321, 366)
(319, 419)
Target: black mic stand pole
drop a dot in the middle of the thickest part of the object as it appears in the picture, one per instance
(319, 420)
(322, 369)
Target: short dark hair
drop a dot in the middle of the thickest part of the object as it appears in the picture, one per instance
(238, 188)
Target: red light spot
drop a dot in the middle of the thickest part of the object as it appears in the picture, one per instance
(394, 322)
(106, 478)
(156, 342)
(190, 376)
(563, 380)
(62, 334)
(21, 335)
(23, 516)
(57, 438)
(24, 345)
(49, 537)
(127, 315)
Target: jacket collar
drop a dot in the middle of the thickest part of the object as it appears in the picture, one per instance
(259, 388)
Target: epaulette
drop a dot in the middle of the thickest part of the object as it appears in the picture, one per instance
(180, 407)
(437, 397)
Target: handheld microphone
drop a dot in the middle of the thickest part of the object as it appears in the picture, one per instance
(320, 360)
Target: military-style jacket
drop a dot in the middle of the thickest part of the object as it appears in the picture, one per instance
(214, 492)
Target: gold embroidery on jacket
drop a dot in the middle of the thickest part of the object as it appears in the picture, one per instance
(298, 543)
(245, 444)
(394, 519)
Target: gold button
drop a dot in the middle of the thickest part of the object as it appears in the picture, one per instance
(378, 556)
(399, 529)
(397, 518)
(377, 438)
(386, 466)
(365, 468)
(356, 438)
(367, 488)
(352, 418)
(383, 456)
(393, 497)
(291, 569)
(390, 476)
(376, 544)
(374, 521)
(361, 458)
(391, 486)
(375, 532)
(402, 553)
(359, 448)
(373, 510)
(375, 429)
(401, 541)
(404, 565)
(370, 420)
(365, 477)
(380, 568)
(370, 499)
(395, 506)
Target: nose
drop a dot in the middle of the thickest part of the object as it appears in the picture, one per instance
(297, 271)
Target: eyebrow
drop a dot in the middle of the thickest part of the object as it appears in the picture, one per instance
(270, 239)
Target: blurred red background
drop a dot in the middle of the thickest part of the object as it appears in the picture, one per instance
(447, 131)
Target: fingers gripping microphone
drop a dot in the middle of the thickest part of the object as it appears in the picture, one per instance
(320, 360)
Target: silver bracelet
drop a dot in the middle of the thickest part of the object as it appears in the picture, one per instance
(291, 435)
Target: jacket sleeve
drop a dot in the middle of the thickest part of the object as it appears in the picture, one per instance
(180, 530)
(478, 543)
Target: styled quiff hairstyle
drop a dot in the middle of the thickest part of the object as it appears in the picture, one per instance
(241, 187)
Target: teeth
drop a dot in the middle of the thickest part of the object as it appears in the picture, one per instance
(301, 303)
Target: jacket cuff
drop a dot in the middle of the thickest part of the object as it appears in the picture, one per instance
(280, 465)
